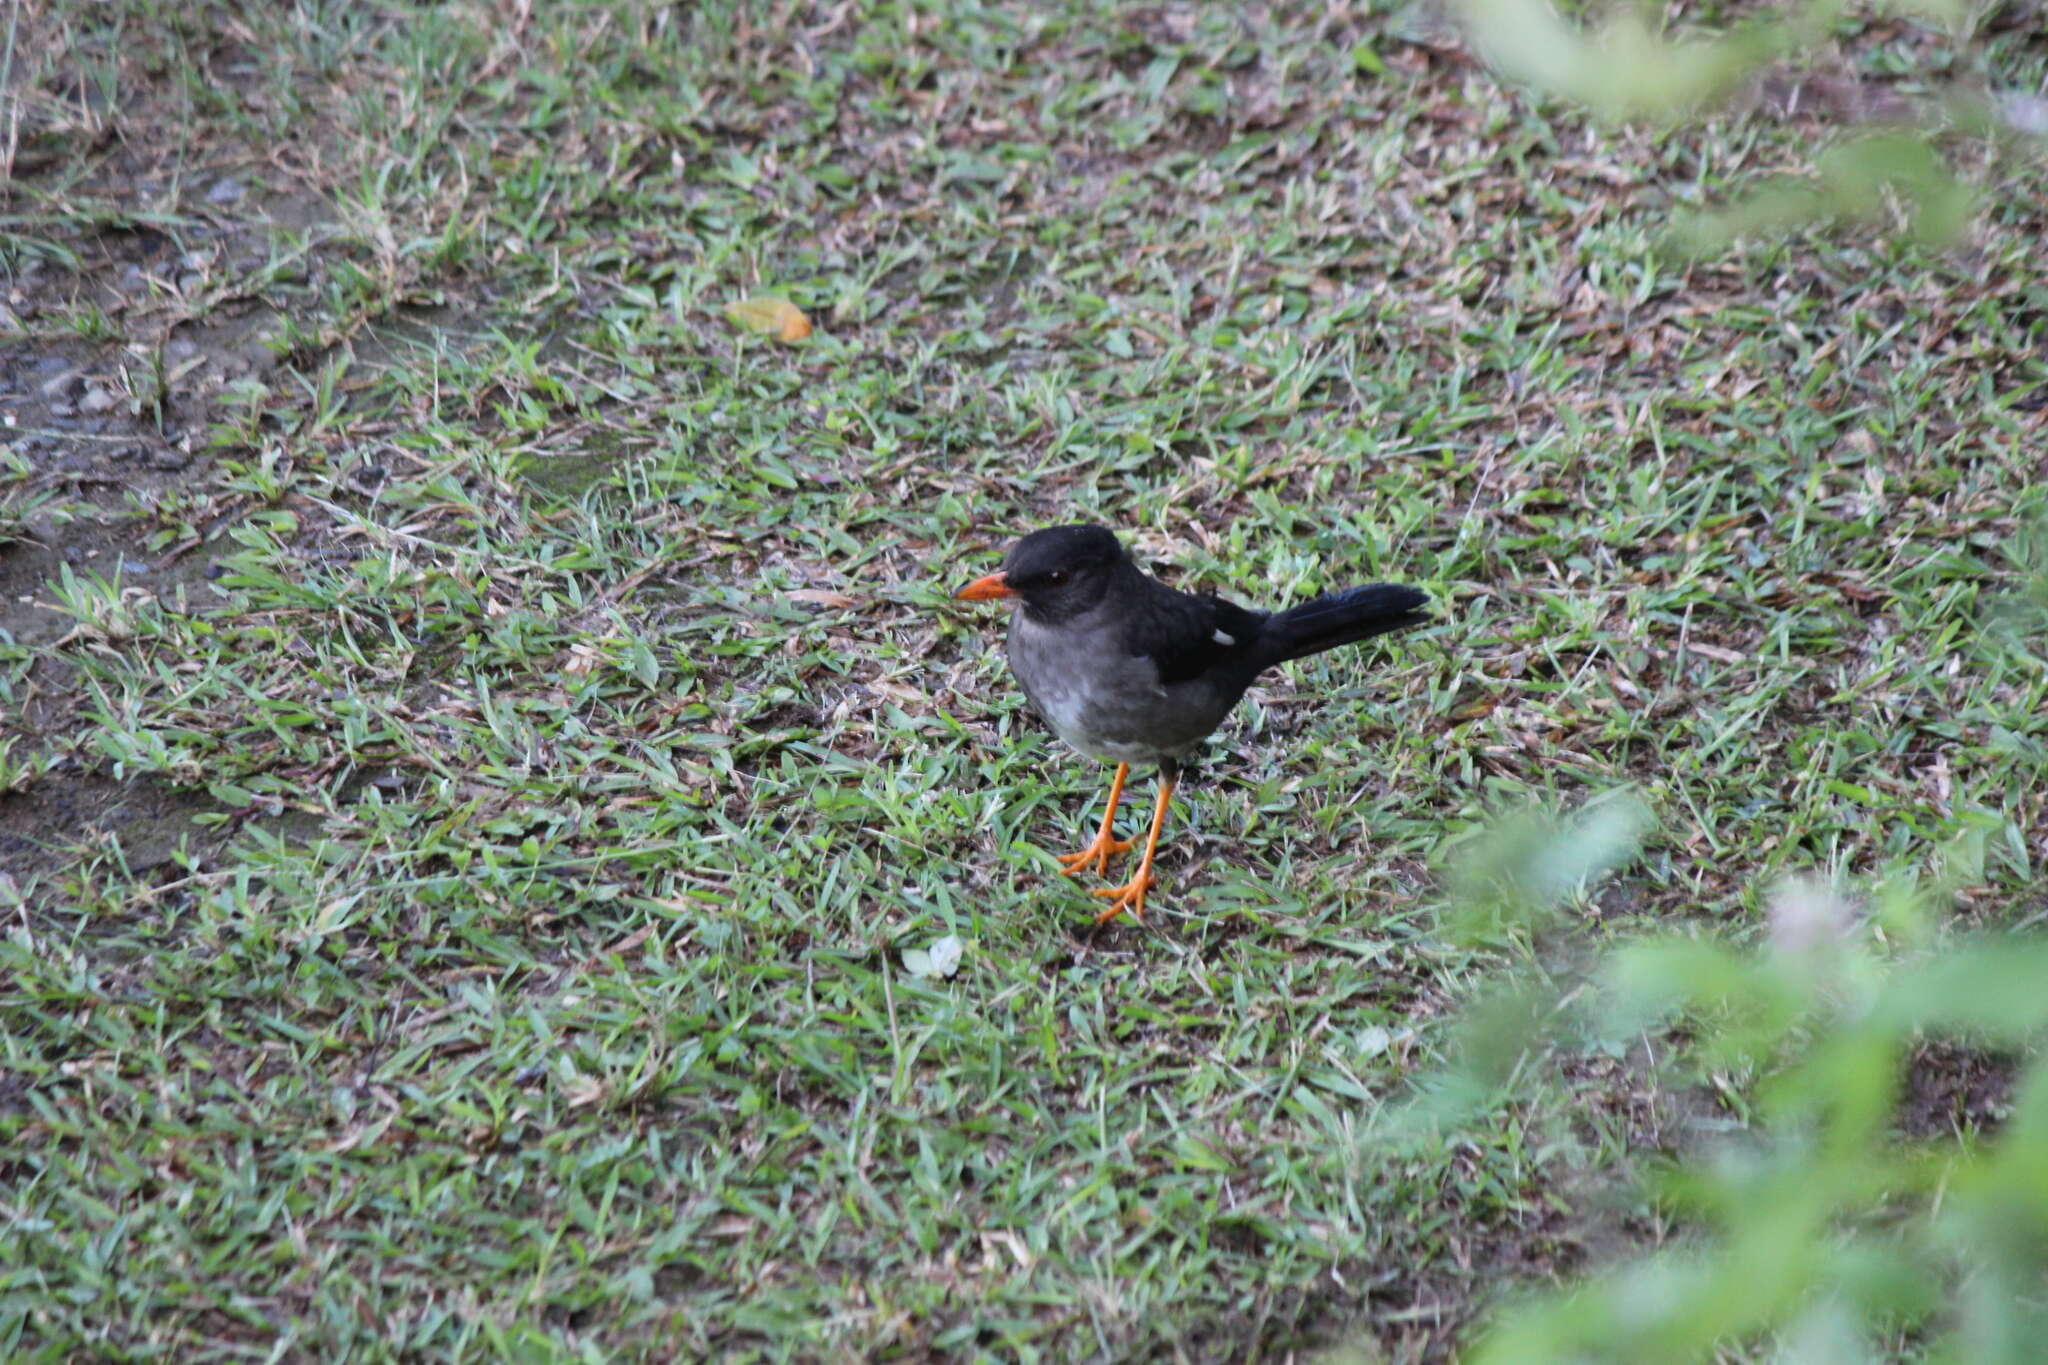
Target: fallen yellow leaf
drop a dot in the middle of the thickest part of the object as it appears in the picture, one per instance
(820, 597)
(778, 318)
(1474, 708)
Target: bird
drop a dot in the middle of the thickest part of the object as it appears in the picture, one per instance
(1130, 671)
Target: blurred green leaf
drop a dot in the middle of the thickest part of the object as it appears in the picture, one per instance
(1515, 876)
(1628, 66)
(1995, 987)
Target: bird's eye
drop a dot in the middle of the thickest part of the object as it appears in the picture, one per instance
(1056, 577)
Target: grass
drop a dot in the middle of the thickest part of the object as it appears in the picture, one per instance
(459, 896)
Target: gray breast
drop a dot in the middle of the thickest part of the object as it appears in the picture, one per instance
(1103, 700)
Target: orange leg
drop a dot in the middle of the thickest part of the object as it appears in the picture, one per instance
(1105, 845)
(1131, 895)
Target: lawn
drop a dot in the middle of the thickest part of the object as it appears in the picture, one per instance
(480, 730)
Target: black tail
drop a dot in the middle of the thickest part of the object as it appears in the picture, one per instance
(1341, 618)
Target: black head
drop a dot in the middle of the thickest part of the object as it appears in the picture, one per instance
(1059, 572)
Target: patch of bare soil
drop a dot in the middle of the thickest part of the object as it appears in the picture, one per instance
(1952, 1090)
(143, 333)
(43, 825)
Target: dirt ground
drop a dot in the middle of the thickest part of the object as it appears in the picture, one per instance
(144, 341)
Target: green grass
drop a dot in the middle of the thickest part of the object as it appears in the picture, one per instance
(530, 980)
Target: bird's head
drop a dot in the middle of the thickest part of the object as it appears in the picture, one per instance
(1057, 573)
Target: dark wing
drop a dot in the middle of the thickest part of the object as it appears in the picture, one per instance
(1186, 636)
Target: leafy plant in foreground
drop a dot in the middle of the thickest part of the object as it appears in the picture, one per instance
(1823, 1232)
(1629, 66)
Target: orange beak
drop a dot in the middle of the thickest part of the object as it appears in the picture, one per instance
(985, 590)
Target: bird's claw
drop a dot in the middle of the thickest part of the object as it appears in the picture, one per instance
(1099, 853)
(1130, 896)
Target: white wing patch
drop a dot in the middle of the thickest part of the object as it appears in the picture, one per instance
(1220, 638)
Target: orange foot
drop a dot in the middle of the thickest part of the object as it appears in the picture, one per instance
(1130, 896)
(1099, 853)
(1106, 845)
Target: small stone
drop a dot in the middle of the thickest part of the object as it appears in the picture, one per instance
(134, 566)
(195, 260)
(64, 409)
(180, 348)
(97, 401)
(262, 360)
(225, 191)
(189, 282)
(66, 385)
(169, 460)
